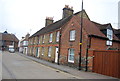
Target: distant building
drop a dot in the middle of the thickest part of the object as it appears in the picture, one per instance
(7, 40)
(23, 47)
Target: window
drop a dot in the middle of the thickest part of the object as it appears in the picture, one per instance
(49, 51)
(42, 50)
(39, 39)
(43, 39)
(110, 37)
(51, 35)
(72, 35)
(57, 36)
(71, 56)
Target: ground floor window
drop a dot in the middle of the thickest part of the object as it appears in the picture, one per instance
(71, 55)
(42, 50)
(49, 51)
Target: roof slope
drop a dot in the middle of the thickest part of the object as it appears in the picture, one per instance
(52, 27)
(105, 26)
(56, 25)
(90, 28)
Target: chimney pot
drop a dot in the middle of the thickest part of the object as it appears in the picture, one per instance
(67, 11)
(49, 20)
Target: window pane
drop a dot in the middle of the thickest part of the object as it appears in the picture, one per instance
(43, 38)
(51, 35)
(71, 55)
(72, 35)
(49, 51)
(57, 37)
(42, 50)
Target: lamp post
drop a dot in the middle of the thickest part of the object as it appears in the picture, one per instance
(81, 27)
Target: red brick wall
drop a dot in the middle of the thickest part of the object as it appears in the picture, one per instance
(66, 43)
(96, 44)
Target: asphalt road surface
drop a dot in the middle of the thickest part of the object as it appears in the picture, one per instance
(15, 66)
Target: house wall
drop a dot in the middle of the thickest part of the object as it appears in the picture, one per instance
(95, 44)
(46, 46)
(65, 44)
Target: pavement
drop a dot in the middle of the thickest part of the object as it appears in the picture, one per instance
(69, 70)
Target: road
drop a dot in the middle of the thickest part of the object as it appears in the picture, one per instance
(15, 66)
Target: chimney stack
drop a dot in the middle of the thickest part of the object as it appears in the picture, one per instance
(49, 20)
(67, 11)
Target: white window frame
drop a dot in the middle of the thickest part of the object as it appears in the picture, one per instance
(70, 54)
(49, 51)
(50, 37)
(39, 39)
(42, 51)
(57, 36)
(72, 35)
(43, 39)
(109, 36)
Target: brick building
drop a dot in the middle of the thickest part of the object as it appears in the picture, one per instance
(8, 39)
(59, 41)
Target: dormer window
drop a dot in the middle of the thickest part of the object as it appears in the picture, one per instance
(109, 36)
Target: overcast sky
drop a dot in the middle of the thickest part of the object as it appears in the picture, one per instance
(28, 16)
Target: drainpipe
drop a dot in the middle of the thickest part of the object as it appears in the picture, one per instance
(88, 46)
(59, 47)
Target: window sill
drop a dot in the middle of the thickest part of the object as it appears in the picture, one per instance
(70, 61)
(71, 40)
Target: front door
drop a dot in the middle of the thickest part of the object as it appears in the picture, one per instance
(56, 55)
(36, 52)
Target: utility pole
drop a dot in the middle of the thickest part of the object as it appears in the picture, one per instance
(81, 27)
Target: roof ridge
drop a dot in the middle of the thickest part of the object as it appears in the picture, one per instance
(52, 27)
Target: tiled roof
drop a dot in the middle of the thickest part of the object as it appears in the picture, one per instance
(91, 28)
(104, 26)
(116, 31)
(52, 27)
(56, 25)
(101, 26)
(9, 37)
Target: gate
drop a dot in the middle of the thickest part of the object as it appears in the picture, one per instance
(107, 63)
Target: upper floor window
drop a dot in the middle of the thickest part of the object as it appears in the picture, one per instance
(57, 36)
(39, 39)
(109, 36)
(33, 40)
(72, 35)
(43, 39)
(25, 43)
(51, 36)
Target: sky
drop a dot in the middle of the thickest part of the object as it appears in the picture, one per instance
(20, 17)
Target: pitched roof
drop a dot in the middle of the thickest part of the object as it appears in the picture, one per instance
(91, 28)
(101, 26)
(9, 37)
(105, 26)
(116, 31)
(52, 27)
(77, 13)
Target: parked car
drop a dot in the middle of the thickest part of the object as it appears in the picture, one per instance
(11, 49)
